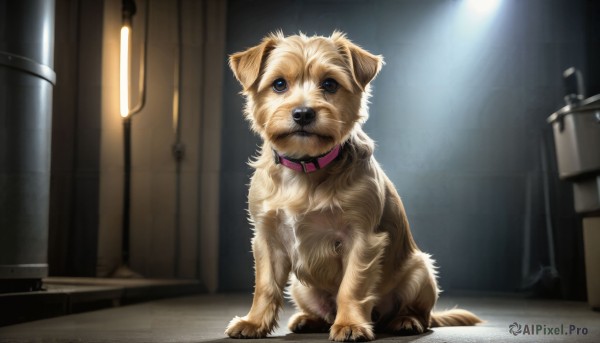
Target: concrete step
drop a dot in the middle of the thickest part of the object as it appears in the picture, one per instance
(67, 295)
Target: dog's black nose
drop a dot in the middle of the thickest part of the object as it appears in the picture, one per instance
(303, 115)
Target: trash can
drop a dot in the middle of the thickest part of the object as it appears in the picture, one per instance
(576, 129)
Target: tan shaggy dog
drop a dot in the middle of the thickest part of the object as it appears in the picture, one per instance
(326, 218)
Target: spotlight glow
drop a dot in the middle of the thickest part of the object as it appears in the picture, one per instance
(482, 7)
(124, 72)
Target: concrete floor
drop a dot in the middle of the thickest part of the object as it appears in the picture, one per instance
(203, 319)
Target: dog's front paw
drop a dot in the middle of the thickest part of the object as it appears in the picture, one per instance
(242, 328)
(351, 333)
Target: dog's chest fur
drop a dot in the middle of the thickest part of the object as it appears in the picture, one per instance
(316, 243)
(314, 217)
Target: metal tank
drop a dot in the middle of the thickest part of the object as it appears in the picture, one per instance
(26, 82)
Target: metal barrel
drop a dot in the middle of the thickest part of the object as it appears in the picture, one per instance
(26, 82)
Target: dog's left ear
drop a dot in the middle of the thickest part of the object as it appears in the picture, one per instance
(364, 65)
(246, 65)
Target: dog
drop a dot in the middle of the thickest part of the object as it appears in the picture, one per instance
(327, 220)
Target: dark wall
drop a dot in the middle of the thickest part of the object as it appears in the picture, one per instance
(593, 46)
(458, 114)
(74, 187)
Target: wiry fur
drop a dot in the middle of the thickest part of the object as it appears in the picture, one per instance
(340, 235)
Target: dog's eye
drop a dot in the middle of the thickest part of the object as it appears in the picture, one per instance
(279, 85)
(330, 86)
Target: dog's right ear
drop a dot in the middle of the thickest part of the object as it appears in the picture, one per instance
(246, 65)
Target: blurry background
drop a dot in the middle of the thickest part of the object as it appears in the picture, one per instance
(458, 113)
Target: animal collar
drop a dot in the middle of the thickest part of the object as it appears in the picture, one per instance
(308, 165)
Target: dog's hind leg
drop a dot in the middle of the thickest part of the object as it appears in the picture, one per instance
(316, 309)
(417, 294)
(302, 322)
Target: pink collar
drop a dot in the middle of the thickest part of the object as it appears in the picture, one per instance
(310, 164)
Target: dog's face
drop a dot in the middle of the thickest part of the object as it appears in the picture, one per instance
(305, 94)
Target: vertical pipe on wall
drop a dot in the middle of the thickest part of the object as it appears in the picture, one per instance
(212, 69)
(26, 81)
(178, 148)
(201, 215)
